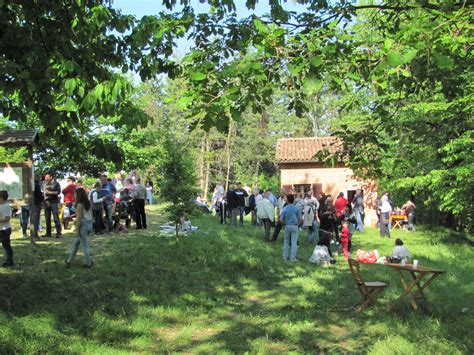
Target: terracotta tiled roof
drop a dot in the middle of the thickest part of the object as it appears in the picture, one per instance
(304, 149)
(18, 137)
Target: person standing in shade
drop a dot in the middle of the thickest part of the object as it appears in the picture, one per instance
(266, 213)
(340, 205)
(310, 220)
(139, 196)
(231, 205)
(108, 191)
(358, 208)
(291, 218)
(83, 228)
(241, 197)
(35, 209)
(69, 192)
(281, 203)
(6, 228)
(52, 190)
(97, 207)
(253, 208)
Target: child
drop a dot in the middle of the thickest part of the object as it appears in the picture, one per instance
(83, 228)
(400, 252)
(345, 239)
(5, 227)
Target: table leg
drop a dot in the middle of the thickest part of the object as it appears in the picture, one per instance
(422, 287)
(407, 289)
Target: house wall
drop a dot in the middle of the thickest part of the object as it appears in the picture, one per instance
(331, 181)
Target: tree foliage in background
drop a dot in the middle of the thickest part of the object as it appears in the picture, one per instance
(401, 71)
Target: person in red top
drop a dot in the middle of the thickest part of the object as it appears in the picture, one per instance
(345, 239)
(69, 191)
(340, 204)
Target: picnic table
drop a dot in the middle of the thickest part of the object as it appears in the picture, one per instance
(396, 220)
(421, 278)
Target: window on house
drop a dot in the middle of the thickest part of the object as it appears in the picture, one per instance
(305, 187)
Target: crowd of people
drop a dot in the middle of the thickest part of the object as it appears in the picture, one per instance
(327, 222)
(99, 209)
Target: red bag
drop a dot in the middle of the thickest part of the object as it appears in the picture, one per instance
(366, 257)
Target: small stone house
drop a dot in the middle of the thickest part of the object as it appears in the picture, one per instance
(300, 169)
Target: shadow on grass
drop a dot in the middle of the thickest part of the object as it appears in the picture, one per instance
(224, 281)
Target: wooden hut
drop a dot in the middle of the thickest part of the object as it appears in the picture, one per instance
(301, 169)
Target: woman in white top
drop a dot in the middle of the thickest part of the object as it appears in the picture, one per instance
(83, 227)
(385, 210)
(5, 227)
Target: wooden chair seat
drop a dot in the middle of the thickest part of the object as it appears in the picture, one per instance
(368, 289)
(376, 284)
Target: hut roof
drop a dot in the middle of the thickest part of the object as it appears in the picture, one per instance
(295, 150)
(18, 138)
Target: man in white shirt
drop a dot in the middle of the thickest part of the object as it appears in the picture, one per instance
(266, 213)
(6, 228)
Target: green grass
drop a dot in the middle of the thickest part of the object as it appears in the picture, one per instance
(224, 290)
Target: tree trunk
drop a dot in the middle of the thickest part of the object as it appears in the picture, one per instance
(177, 231)
(257, 164)
(201, 165)
(264, 119)
(228, 153)
(208, 167)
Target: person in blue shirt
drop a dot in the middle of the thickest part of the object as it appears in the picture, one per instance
(272, 198)
(291, 217)
(108, 194)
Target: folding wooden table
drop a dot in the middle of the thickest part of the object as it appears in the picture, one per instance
(421, 277)
(395, 220)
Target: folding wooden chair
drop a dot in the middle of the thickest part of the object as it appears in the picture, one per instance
(369, 290)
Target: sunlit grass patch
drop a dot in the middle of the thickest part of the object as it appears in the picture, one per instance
(222, 289)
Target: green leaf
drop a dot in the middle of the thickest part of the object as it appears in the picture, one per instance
(184, 102)
(312, 85)
(99, 89)
(316, 61)
(394, 59)
(116, 89)
(70, 85)
(295, 69)
(388, 43)
(353, 76)
(443, 61)
(197, 76)
(261, 28)
(410, 55)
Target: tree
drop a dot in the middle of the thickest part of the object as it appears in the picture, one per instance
(60, 72)
(178, 184)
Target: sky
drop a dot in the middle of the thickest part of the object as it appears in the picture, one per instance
(140, 8)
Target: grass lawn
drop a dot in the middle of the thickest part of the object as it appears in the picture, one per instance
(224, 290)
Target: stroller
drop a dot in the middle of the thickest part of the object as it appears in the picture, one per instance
(67, 214)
